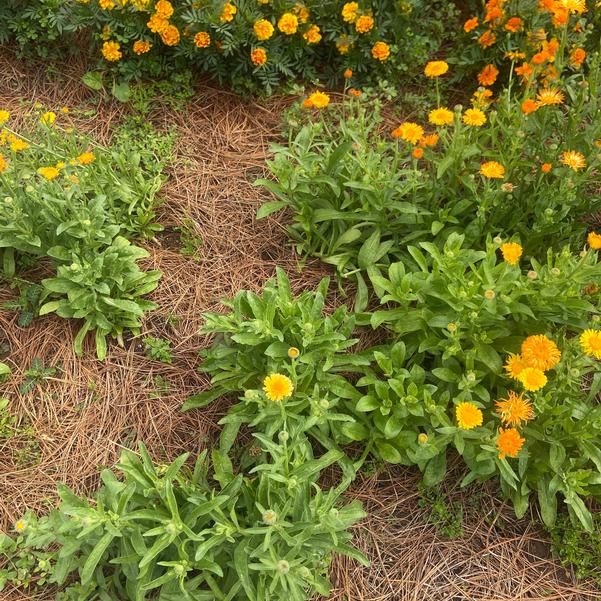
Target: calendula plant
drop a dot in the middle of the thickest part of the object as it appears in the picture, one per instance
(262, 331)
(175, 532)
(75, 206)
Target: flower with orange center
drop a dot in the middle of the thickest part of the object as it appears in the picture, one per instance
(546, 167)
(348, 73)
(515, 409)
(288, 23)
(514, 24)
(317, 100)
(409, 131)
(429, 140)
(258, 56)
(550, 96)
(277, 387)
(573, 159)
(488, 38)
(364, 24)
(492, 170)
(441, 116)
(509, 443)
(540, 352)
(170, 35)
(202, 39)
(86, 158)
(312, 35)
(380, 51)
(417, 153)
(511, 251)
(354, 92)
(514, 366)
(590, 341)
(436, 68)
(141, 47)
(470, 24)
(529, 106)
(488, 75)
(577, 57)
(157, 24)
(263, 29)
(228, 12)
(532, 379)
(474, 117)
(293, 352)
(111, 51)
(594, 240)
(163, 8)
(468, 416)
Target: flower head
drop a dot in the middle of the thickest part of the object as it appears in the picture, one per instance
(111, 51)
(49, 173)
(170, 35)
(540, 352)
(288, 23)
(594, 240)
(3, 164)
(20, 525)
(514, 366)
(546, 167)
(532, 379)
(488, 38)
(509, 442)
(263, 29)
(85, 158)
(258, 56)
(488, 75)
(4, 117)
(409, 131)
(549, 96)
(590, 341)
(312, 35)
(573, 159)
(492, 170)
(470, 24)
(317, 100)
(348, 73)
(474, 117)
(48, 118)
(514, 24)
(293, 352)
(577, 57)
(429, 140)
(436, 68)
(157, 24)
(515, 409)
(163, 8)
(349, 12)
(529, 106)
(511, 251)
(202, 39)
(228, 12)
(277, 387)
(441, 116)
(468, 416)
(17, 145)
(364, 24)
(380, 51)
(141, 47)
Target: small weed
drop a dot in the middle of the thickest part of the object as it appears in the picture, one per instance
(190, 241)
(444, 514)
(161, 387)
(37, 374)
(27, 305)
(158, 349)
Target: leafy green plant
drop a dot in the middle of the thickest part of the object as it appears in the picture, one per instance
(158, 349)
(36, 375)
(27, 304)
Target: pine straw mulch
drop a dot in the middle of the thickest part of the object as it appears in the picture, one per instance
(90, 410)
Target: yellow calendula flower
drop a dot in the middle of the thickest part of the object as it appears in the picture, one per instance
(86, 158)
(532, 379)
(594, 240)
(441, 116)
(312, 35)
(422, 438)
(474, 117)
(106, 4)
(48, 118)
(540, 352)
(20, 525)
(317, 100)
(514, 366)
(4, 117)
(511, 251)
(574, 160)
(277, 387)
(380, 51)
(17, 145)
(409, 131)
(492, 170)
(202, 39)
(509, 443)
(590, 341)
(549, 97)
(364, 24)
(263, 29)
(515, 409)
(288, 23)
(111, 51)
(141, 47)
(3, 164)
(436, 68)
(49, 173)
(293, 352)
(468, 416)
(349, 12)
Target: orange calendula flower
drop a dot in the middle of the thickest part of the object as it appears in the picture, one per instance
(364, 24)
(488, 75)
(263, 29)
(550, 96)
(470, 24)
(546, 167)
(532, 379)
(509, 443)
(409, 131)
(228, 12)
(202, 39)
(354, 92)
(514, 24)
(317, 100)
(529, 106)
(488, 38)
(594, 240)
(288, 23)
(429, 140)
(573, 159)
(312, 35)
(514, 366)
(277, 387)
(436, 68)
(417, 153)
(515, 409)
(492, 170)
(468, 416)
(590, 341)
(511, 251)
(577, 57)
(441, 116)
(525, 71)
(380, 51)
(141, 47)
(348, 73)
(258, 56)
(474, 117)
(540, 352)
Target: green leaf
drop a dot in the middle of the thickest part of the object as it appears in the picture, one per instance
(270, 207)
(547, 502)
(121, 91)
(388, 453)
(4, 369)
(93, 79)
(367, 403)
(95, 556)
(435, 469)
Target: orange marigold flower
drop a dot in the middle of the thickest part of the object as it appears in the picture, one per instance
(441, 116)
(202, 39)
(409, 131)
(228, 12)
(515, 409)
(532, 379)
(514, 24)
(590, 341)
(470, 24)
(157, 24)
(488, 75)
(474, 117)
(468, 416)
(488, 38)
(594, 240)
(170, 35)
(509, 443)
(573, 159)
(364, 24)
(349, 12)
(525, 71)
(288, 23)
(258, 56)
(436, 68)
(546, 167)
(163, 9)
(529, 106)
(514, 366)
(312, 35)
(511, 251)
(263, 29)
(540, 352)
(492, 170)
(141, 46)
(380, 51)
(111, 51)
